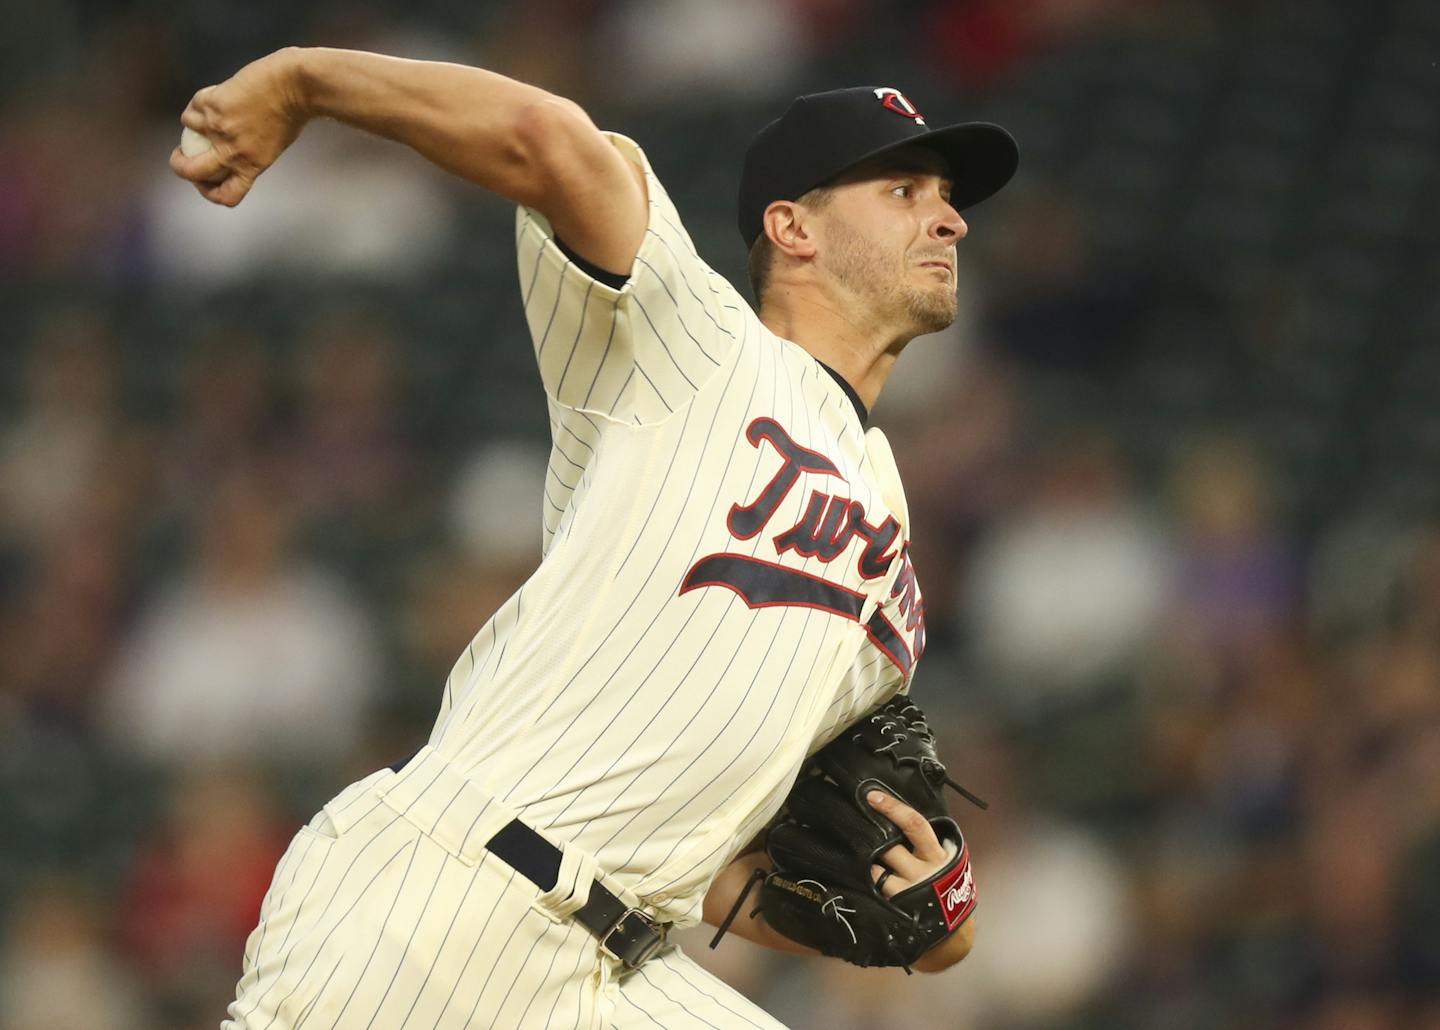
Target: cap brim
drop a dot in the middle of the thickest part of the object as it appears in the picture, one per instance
(982, 157)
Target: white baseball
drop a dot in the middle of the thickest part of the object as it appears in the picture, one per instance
(192, 142)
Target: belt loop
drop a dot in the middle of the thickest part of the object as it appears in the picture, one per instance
(627, 897)
(578, 871)
(467, 821)
(457, 813)
(351, 804)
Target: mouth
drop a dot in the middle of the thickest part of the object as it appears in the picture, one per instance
(943, 265)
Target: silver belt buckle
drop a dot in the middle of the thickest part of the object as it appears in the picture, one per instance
(647, 950)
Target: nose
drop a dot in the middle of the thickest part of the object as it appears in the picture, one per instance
(948, 225)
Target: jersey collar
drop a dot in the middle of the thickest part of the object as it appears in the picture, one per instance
(860, 408)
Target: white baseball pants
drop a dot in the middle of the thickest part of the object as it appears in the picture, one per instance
(386, 911)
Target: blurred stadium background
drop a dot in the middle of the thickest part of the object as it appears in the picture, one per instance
(1175, 479)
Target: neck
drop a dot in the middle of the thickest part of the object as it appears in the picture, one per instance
(862, 349)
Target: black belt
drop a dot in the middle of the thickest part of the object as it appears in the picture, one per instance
(626, 933)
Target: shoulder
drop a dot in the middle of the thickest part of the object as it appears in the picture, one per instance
(664, 252)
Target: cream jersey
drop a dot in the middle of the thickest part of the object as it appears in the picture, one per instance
(725, 581)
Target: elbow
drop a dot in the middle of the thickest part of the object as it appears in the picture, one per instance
(549, 136)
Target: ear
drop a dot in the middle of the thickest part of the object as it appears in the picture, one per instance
(786, 222)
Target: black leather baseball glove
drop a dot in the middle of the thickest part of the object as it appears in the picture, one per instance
(830, 841)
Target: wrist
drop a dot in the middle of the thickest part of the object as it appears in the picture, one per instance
(951, 950)
(299, 72)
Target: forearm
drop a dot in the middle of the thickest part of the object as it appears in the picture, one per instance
(481, 126)
(529, 146)
(949, 951)
(721, 897)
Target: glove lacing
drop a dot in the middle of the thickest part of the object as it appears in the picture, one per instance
(920, 727)
(755, 877)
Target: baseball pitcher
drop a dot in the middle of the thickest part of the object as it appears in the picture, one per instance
(700, 690)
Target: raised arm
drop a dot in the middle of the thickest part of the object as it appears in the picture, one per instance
(523, 143)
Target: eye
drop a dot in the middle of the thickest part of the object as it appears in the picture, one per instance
(904, 189)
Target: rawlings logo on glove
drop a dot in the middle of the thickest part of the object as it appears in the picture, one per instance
(956, 892)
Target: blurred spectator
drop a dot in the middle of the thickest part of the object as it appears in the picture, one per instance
(1359, 1009)
(1417, 780)
(225, 418)
(67, 455)
(73, 474)
(550, 44)
(57, 215)
(1420, 589)
(978, 41)
(1237, 582)
(351, 461)
(195, 892)
(1353, 887)
(962, 466)
(833, 23)
(1053, 301)
(64, 623)
(1356, 574)
(1057, 922)
(1064, 592)
(703, 52)
(248, 652)
(57, 968)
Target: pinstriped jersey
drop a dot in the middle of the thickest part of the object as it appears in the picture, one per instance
(725, 581)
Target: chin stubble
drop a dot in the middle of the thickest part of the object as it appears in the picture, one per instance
(931, 310)
(860, 268)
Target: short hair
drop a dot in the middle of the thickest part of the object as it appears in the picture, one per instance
(762, 251)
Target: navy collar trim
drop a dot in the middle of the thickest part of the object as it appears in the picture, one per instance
(860, 408)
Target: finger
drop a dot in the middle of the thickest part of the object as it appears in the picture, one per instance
(204, 189)
(202, 101)
(887, 882)
(204, 167)
(228, 193)
(209, 190)
(202, 113)
(905, 863)
(916, 827)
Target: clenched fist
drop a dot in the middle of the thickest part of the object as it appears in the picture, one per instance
(250, 119)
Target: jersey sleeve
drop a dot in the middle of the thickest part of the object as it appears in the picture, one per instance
(634, 353)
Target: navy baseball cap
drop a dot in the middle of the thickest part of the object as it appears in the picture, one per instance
(821, 135)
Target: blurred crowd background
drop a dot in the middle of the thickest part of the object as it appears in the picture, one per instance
(1174, 476)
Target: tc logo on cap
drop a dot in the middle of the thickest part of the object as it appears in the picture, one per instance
(894, 100)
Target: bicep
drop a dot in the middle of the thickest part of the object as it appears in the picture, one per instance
(592, 195)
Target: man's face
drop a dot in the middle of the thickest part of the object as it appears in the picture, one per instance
(887, 236)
